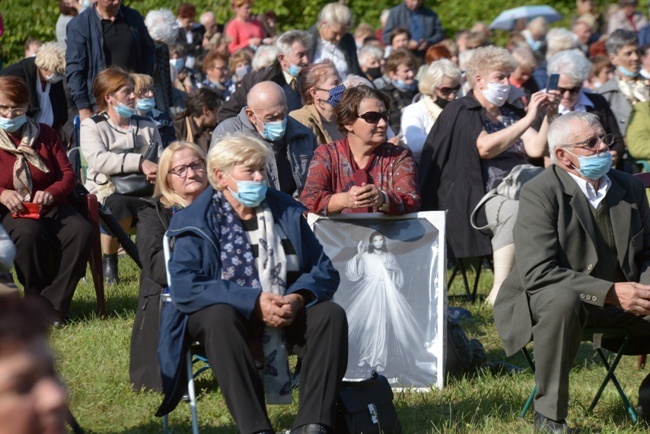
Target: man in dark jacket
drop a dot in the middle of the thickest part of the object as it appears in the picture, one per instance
(106, 34)
(423, 25)
(294, 54)
(293, 144)
(330, 39)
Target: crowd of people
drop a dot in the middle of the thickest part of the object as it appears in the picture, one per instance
(223, 136)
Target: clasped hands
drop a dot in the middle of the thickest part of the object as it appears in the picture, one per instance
(277, 310)
(630, 296)
(366, 196)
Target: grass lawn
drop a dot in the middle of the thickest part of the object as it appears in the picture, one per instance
(93, 360)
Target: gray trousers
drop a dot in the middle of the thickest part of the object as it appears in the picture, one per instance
(559, 315)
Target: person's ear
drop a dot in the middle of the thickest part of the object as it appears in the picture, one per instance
(562, 158)
(613, 59)
(221, 178)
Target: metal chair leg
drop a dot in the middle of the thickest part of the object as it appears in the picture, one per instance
(531, 397)
(191, 393)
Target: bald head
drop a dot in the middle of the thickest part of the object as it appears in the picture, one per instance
(265, 94)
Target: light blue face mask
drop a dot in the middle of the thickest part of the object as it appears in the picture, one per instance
(273, 131)
(145, 105)
(177, 63)
(400, 85)
(13, 124)
(626, 72)
(124, 111)
(594, 166)
(249, 193)
(294, 70)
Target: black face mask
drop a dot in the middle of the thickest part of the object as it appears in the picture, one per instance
(441, 102)
(374, 73)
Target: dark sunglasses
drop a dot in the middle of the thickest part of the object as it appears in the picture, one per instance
(374, 117)
(571, 90)
(593, 142)
(446, 91)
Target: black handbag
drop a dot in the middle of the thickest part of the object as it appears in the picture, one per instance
(366, 407)
(136, 184)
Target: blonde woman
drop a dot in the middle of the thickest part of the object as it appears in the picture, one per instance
(182, 177)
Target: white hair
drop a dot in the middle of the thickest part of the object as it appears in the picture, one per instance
(264, 57)
(356, 80)
(287, 39)
(562, 130)
(560, 39)
(435, 73)
(369, 52)
(335, 13)
(162, 25)
(206, 17)
(51, 56)
(571, 63)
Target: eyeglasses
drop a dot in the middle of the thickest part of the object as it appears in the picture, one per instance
(181, 171)
(9, 111)
(572, 90)
(593, 142)
(374, 117)
(446, 91)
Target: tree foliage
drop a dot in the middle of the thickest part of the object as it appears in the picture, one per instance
(37, 18)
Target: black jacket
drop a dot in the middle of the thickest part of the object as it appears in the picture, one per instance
(608, 121)
(27, 70)
(450, 174)
(144, 371)
(398, 100)
(346, 45)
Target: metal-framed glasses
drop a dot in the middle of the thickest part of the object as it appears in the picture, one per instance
(12, 111)
(181, 170)
(593, 142)
(374, 117)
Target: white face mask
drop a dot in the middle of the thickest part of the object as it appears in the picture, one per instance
(54, 78)
(496, 93)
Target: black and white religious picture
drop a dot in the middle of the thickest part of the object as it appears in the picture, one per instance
(393, 291)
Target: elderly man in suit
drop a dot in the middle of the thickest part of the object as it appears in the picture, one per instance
(583, 256)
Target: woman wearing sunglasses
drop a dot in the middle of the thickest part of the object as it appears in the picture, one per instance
(361, 172)
(182, 177)
(475, 143)
(574, 69)
(439, 84)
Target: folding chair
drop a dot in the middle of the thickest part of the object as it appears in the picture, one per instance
(89, 209)
(461, 266)
(594, 334)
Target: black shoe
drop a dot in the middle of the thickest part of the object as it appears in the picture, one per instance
(311, 428)
(543, 424)
(109, 267)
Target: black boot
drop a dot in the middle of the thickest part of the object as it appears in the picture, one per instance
(109, 267)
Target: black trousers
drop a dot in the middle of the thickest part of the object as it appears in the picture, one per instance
(51, 253)
(318, 335)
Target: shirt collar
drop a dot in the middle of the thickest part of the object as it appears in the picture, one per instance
(594, 197)
(581, 105)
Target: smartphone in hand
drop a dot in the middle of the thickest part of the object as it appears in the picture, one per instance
(552, 82)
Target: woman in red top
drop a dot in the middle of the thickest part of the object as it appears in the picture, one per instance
(362, 172)
(52, 240)
(243, 30)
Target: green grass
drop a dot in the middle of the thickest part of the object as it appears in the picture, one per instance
(92, 357)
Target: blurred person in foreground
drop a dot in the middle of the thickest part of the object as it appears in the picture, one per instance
(583, 242)
(249, 280)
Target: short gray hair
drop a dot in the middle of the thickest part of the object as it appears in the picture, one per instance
(524, 56)
(619, 39)
(560, 39)
(287, 39)
(233, 149)
(571, 63)
(369, 52)
(335, 13)
(162, 25)
(264, 56)
(51, 56)
(488, 59)
(435, 73)
(563, 128)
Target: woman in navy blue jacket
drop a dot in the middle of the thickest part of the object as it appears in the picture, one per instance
(250, 281)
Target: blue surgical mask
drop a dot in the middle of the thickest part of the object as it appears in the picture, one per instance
(626, 72)
(273, 131)
(335, 95)
(146, 104)
(249, 193)
(124, 111)
(594, 166)
(177, 63)
(243, 70)
(400, 85)
(294, 70)
(13, 124)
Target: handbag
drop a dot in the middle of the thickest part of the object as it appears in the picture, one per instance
(136, 184)
(366, 407)
(509, 188)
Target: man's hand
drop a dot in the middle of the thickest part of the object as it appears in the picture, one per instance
(631, 297)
